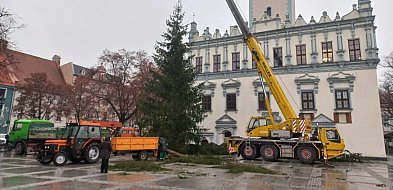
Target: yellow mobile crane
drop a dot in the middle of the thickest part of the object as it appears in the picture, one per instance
(292, 138)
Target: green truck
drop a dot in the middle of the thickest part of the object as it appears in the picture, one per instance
(29, 135)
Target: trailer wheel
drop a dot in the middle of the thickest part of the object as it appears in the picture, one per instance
(248, 152)
(142, 155)
(269, 152)
(20, 148)
(92, 153)
(306, 154)
(60, 159)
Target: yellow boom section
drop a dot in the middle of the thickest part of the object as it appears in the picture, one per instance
(263, 66)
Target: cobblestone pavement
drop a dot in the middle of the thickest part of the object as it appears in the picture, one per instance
(26, 173)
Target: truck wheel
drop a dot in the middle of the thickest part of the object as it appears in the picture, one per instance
(306, 154)
(20, 148)
(142, 155)
(92, 153)
(44, 159)
(269, 152)
(248, 152)
(60, 159)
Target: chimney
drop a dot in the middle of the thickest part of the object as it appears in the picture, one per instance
(3, 44)
(56, 59)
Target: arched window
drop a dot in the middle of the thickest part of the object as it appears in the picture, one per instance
(269, 11)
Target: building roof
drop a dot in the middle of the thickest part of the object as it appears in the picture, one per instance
(28, 64)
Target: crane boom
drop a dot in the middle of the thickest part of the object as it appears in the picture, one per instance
(262, 65)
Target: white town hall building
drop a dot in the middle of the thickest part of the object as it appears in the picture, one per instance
(326, 67)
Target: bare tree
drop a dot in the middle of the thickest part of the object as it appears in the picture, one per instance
(77, 99)
(119, 80)
(8, 24)
(39, 98)
(386, 91)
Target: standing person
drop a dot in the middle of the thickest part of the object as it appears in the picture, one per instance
(105, 154)
(163, 148)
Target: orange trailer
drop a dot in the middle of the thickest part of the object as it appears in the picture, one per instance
(139, 147)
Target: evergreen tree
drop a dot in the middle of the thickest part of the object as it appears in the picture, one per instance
(172, 107)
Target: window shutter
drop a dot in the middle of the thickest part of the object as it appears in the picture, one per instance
(336, 117)
(349, 117)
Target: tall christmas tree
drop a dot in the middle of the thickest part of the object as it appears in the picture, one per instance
(172, 107)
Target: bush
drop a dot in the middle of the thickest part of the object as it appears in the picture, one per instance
(206, 149)
(350, 157)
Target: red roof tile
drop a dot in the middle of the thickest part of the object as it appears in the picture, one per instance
(29, 64)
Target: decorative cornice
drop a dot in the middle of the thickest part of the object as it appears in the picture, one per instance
(257, 83)
(207, 85)
(341, 77)
(307, 79)
(231, 83)
(296, 69)
(361, 22)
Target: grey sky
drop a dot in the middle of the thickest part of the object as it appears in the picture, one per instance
(80, 30)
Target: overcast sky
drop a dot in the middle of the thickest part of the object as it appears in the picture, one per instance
(79, 30)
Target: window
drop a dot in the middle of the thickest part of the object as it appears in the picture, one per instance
(2, 99)
(308, 100)
(18, 126)
(354, 50)
(342, 99)
(83, 131)
(207, 103)
(94, 132)
(342, 117)
(58, 118)
(235, 61)
(332, 135)
(301, 54)
(231, 102)
(216, 63)
(327, 52)
(269, 11)
(262, 101)
(254, 64)
(198, 64)
(277, 57)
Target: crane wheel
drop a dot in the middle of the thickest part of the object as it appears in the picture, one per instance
(269, 152)
(248, 152)
(306, 154)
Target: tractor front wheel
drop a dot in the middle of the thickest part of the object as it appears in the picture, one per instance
(60, 159)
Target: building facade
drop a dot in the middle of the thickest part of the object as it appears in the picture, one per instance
(326, 67)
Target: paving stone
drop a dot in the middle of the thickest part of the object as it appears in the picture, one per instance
(69, 173)
(68, 185)
(18, 180)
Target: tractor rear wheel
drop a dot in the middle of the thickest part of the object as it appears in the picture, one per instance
(92, 153)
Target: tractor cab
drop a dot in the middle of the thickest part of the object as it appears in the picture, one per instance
(79, 142)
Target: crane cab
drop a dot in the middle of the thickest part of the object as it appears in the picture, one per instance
(259, 126)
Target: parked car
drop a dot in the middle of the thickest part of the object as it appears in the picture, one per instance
(2, 139)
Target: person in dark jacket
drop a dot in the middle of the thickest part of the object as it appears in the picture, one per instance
(105, 154)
